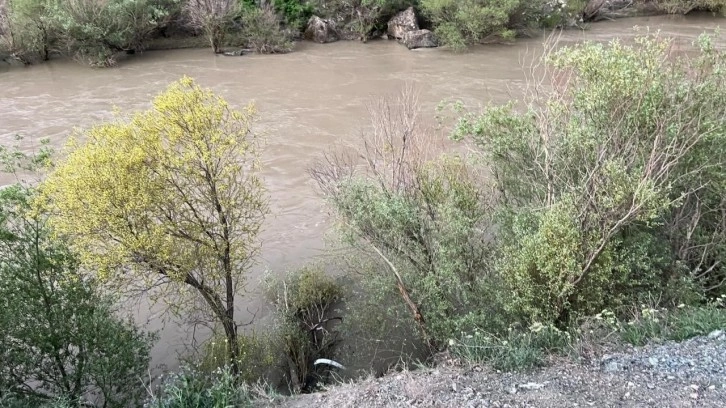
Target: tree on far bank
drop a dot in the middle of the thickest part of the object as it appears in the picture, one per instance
(170, 200)
(213, 17)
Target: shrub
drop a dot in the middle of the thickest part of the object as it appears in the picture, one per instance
(459, 23)
(304, 303)
(686, 6)
(214, 18)
(515, 350)
(57, 331)
(598, 180)
(190, 388)
(422, 215)
(257, 354)
(28, 32)
(295, 13)
(262, 31)
(93, 31)
(650, 323)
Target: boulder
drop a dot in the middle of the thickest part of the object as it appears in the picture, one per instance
(321, 31)
(419, 39)
(402, 23)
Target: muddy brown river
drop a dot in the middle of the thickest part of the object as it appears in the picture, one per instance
(308, 100)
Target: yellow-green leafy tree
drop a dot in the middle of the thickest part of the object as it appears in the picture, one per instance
(169, 199)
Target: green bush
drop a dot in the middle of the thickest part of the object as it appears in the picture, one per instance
(649, 324)
(609, 180)
(422, 216)
(459, 23)
(94, 31)
(686, 6)
(29, 32)
(295, 13)
(515, 350)
(57, 332)
(258, 352)
(262, 31)
(189, 388)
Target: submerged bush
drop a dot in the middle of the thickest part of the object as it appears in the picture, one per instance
(304, 302)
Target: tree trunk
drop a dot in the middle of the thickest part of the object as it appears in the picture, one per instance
(230, 331)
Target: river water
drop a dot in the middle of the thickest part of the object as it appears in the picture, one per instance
(308, 100)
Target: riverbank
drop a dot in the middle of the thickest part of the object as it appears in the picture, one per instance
(327, 21)
(685, 374)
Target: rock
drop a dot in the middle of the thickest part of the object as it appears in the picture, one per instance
(402, 23)
(715, 334)
(531, 386)
(419, 39)
(610, 364)
(321, 31)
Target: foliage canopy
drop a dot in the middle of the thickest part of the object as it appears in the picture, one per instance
(172, 196)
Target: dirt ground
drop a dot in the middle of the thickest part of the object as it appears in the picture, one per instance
(688, 374)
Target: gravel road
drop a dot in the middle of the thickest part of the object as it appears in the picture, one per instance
(687, 374)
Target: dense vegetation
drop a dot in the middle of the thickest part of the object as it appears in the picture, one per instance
(95, 32)
(61, 342)
(602, 191)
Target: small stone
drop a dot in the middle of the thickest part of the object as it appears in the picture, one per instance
(670, 377)
(453, 386)
(694, 395)
(653, 361)
(631, 384)
(626, 396)
(611, 367)
(715, 334)
(512, 390)
(694, 387)
(531, 386)
(711, 387)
